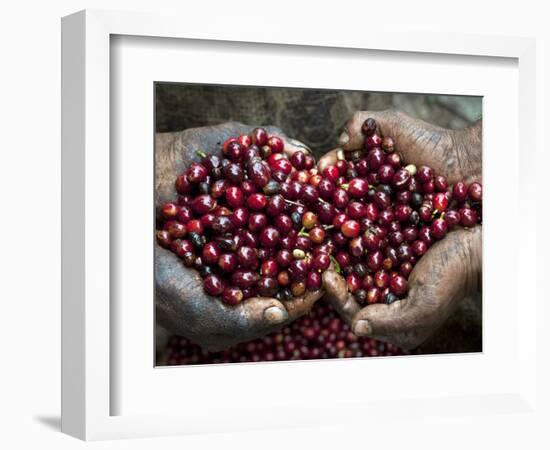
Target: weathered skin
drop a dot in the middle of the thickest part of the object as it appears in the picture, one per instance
(440, 280)
(451, 269)
(182, 307)
(453, 153)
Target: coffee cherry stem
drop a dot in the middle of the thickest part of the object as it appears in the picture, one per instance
(345, 186)
(323, 201)
(293, 203)
(200, 153)
(303, 233)
(337, 267)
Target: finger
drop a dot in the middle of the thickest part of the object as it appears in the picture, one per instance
(442, 278)
(418, 142)
(382, 321)
(328, 159)
(263, 312)
(338, 295)
(352, 137)
(298, 306)
(293, 145)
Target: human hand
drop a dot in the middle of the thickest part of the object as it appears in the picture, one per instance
(451, 269)
(456, 154)
(182, 306)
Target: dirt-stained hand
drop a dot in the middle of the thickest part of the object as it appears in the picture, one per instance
(182, 307)
(451, 269)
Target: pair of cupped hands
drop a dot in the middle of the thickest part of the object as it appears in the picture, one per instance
(448, 272)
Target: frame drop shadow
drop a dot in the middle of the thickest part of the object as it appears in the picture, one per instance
(52, 422)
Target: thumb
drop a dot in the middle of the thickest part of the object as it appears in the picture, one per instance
(381, 320)
(405, 323)
(262, 312)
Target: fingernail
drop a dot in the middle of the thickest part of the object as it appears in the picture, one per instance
(275, 315)
(300, 145)
(362, 328)
(344, 138)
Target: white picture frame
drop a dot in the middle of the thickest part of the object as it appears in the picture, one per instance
(88, 386)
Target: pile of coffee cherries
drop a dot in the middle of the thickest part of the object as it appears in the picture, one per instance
(256, 222)
(388, 214)
(321, 334)
(248, 220)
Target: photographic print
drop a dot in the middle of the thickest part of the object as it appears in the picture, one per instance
(306, 224)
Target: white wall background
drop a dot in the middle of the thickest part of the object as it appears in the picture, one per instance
(30, 193)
